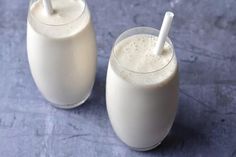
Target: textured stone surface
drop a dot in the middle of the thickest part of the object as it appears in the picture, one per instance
(204, 35)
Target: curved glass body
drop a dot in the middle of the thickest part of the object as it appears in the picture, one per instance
(141, 105)
(62, 56)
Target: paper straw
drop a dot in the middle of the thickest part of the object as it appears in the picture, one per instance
(48, 6)
(165, 28)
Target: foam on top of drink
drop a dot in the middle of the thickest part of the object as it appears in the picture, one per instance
(65, 11)
(136, 55)
(62, 21)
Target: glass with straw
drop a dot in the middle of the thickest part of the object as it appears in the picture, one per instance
(142, 86)
(61, 49)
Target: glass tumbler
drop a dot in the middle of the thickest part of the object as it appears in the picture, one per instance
(62, 51)
(141, 105)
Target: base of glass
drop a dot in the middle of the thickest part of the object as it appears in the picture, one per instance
(146, 148)
(71, 106)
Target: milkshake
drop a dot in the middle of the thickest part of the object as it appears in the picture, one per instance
(142, 88)
(62, 51)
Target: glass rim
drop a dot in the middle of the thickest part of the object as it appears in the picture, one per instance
(58, 25)
(137, 28)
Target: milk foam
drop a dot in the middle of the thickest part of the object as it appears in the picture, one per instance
(65, 11)
(64, 21)
(136, 54)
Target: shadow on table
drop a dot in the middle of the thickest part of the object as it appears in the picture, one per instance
(181, 136)
(184, 136)
(95, 105)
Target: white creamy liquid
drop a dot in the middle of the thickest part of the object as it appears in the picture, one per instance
(142, 91)
(62, 51)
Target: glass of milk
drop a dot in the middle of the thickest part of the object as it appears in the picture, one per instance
(62, 51)
(141, 88)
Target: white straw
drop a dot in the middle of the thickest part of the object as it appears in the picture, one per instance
(48, 6)
(165, 28)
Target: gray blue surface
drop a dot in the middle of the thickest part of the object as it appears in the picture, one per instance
(204, 35)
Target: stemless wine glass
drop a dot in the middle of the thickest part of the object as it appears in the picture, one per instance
(141, 105)
(62, 53)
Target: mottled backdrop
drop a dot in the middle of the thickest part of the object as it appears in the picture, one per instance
(204, 36)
